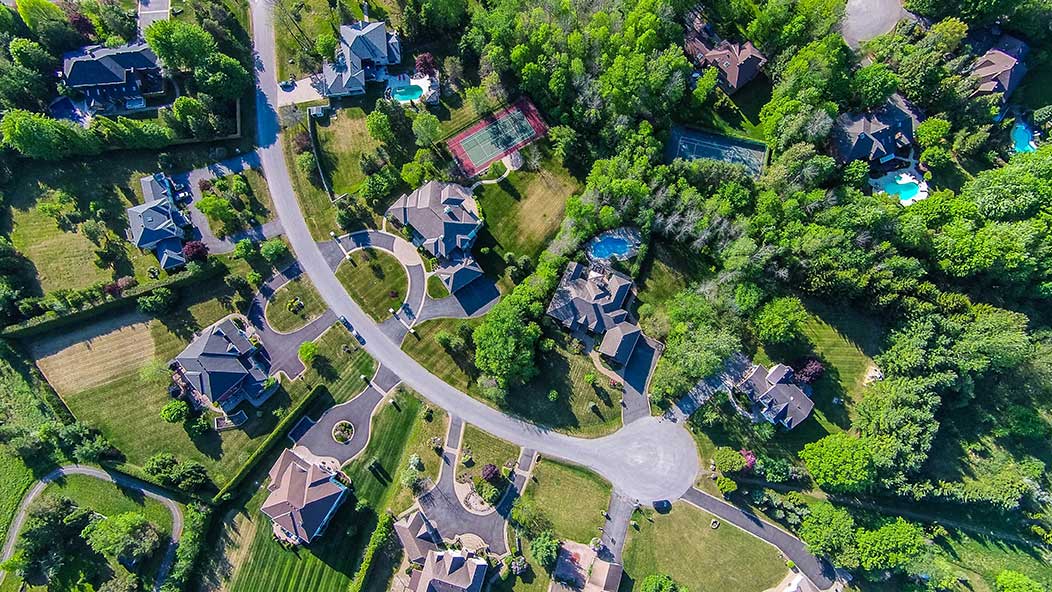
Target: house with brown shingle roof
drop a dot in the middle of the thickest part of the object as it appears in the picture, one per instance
(417, 536)
(303, 498)
(1000, 70)
(737, 63)
(449, 571)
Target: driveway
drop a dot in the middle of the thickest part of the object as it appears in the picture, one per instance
(474, 299)
(119, 479)
(151, 11)
(359, 411)
(635, 376)
(306, 90)
(866, 19)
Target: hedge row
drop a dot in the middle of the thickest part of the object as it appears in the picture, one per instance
(49, 322)
(190, 543)
(279, 432)
(382, 534)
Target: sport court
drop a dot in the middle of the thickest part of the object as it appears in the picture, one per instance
(691, 144)
(493, 138)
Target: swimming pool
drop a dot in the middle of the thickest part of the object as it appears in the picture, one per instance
(610, 246)
(410, 92)
(1022, 137)
(902, 187)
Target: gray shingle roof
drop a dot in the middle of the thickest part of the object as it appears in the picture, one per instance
(780, 399)
(219, 361)
(417, 536)
(459, 272)
(451, 571)
(97, 65)
(444, 215)
(153, 222)
(361, 45)
(303, 496)
(1001, 69)
(620, 341)
(876, 134)
(595, 298)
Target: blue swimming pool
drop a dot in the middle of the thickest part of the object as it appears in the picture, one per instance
(904, 191)
(610, 246)
(410, 92)
(1022, 137)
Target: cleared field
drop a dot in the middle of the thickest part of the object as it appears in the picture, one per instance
(683, 545)
(375, 279)
(109, 500)
(554, 483)
(286, 321)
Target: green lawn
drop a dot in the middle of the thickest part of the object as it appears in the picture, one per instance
(552, 487)
(263, 565)
(523, 212)
(669, 270)
(119, 383)
(419, 444)
(435, 288)
(1036, 90)
(109, 499)
(562, 370)
(15, 480)
(343, 139)
(253, 208)
(297, 24)
(486, 450)
(375, 279)
(684, 546)
(286, 321)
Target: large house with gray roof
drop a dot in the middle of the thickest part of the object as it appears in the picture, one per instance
(879, 136)
(778, 399)
(113, 78)
(594, 299)
(303, 498)
(363, 54)
(449, 571)
(1000, 70)
(222, 366)
(418, 536)
(160, 227)
(444, 221)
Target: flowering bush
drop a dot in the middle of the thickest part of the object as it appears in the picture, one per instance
(490, 473)
(750, 458)
(811, 371)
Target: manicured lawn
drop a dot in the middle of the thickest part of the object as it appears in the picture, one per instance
(284, 320)
(571, 497)
(109, 500)
(343, 139)
(523, 212)
(15, 480)
(563, 370)
(669, 270)
(684, 546)
(119, 379)
(253, 207)
(419, 444)
(375, 279)
(435, 288)
(330, 562)
(486, 450)
(297, 24)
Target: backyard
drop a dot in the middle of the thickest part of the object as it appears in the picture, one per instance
(375, 279)
(293, 305)
(682, 544)
(554, 483)
(578, 407)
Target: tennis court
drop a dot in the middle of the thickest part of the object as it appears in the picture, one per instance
(494, 137)
(693, 144)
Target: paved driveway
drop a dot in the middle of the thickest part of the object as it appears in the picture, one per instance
(359, 411)
(474, 299)
(866, 19)
(151, 11)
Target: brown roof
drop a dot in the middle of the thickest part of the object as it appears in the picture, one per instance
(417, 536)
(451, 571)
(620, 341)
(1000, 69)
(738, 63)
(303, 496)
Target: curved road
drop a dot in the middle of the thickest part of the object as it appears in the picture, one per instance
(116, 478)
(652, 459)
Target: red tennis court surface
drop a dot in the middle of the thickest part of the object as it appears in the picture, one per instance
(496, 136)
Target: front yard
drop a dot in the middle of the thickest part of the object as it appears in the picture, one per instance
(294, 305)
(375, 279)
(572, 498)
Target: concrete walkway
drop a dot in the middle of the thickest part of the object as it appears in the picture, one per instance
(118, 479)
(615, 531)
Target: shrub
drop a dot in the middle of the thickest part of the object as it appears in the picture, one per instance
(306, 163)
(491, 473)
(728, 460)
(378, 540)
(157, 302)
(195, 251)
(308, 352)
(545, 549)
(726, 485)
(811, 371)
(273, 250)
(487, 491)
(175, 411)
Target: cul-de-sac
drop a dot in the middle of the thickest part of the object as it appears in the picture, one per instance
(525, 295)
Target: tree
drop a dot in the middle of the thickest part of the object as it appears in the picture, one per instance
(1013, 581)
(545, 549)
(726, 485)
(308, 352)
(830, 531)
(873, 84)
(660, 583)
(195, 251)
(426, 65)
(126, 583)
(245, 249)
(325, 45)
(175, 411)
(157, 302)
(222, 76)
(378, 124)
(728, 460)
(932, 132)
(840, 463)
(37, 13)
(127, 536)
(780, 320)
(273, 250)
(426, 129)
(180, 45)
(892, 546)
(160, 465)
(563, 139)
(217, 208)
(504, 345)
(412, 174)
(30, 54)
(40, 137)
(705, 87)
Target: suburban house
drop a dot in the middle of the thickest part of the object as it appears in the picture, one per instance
(417, 536)
(222, 367)
(449, 571)
(737, 63)
(161, 186)
(303, 498)
(595, 299)
(160, 227)
(579, 567)
(779, 399)
(1000, 69)
(113, 79)
(364, 52)
(444, 220)
(880, 136)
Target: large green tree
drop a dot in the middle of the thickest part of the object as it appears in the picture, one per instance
(180, 45)
(127, 536)
(840, 463)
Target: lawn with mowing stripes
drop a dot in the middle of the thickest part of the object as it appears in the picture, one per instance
(554, 483)
(109, 500)
(375, 279)
(311, 307)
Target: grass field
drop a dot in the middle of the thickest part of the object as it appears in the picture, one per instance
(278, 314)
(684, 546)
(15, 479)
(669, 270)
(109, 499)
(562, 370)
(375, 279)
(486, 449)
(112, 375)
(260, 564)
(523, 212)
(554, 484)
(254, 209)
(740, 115)
(435, 288)
(343, 140)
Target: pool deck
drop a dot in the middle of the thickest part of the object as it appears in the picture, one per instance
(880, 183)
(627, 233)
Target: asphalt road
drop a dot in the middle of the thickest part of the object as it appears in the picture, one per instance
(117, 478)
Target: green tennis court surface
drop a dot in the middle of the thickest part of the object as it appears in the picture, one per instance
(497, 137)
